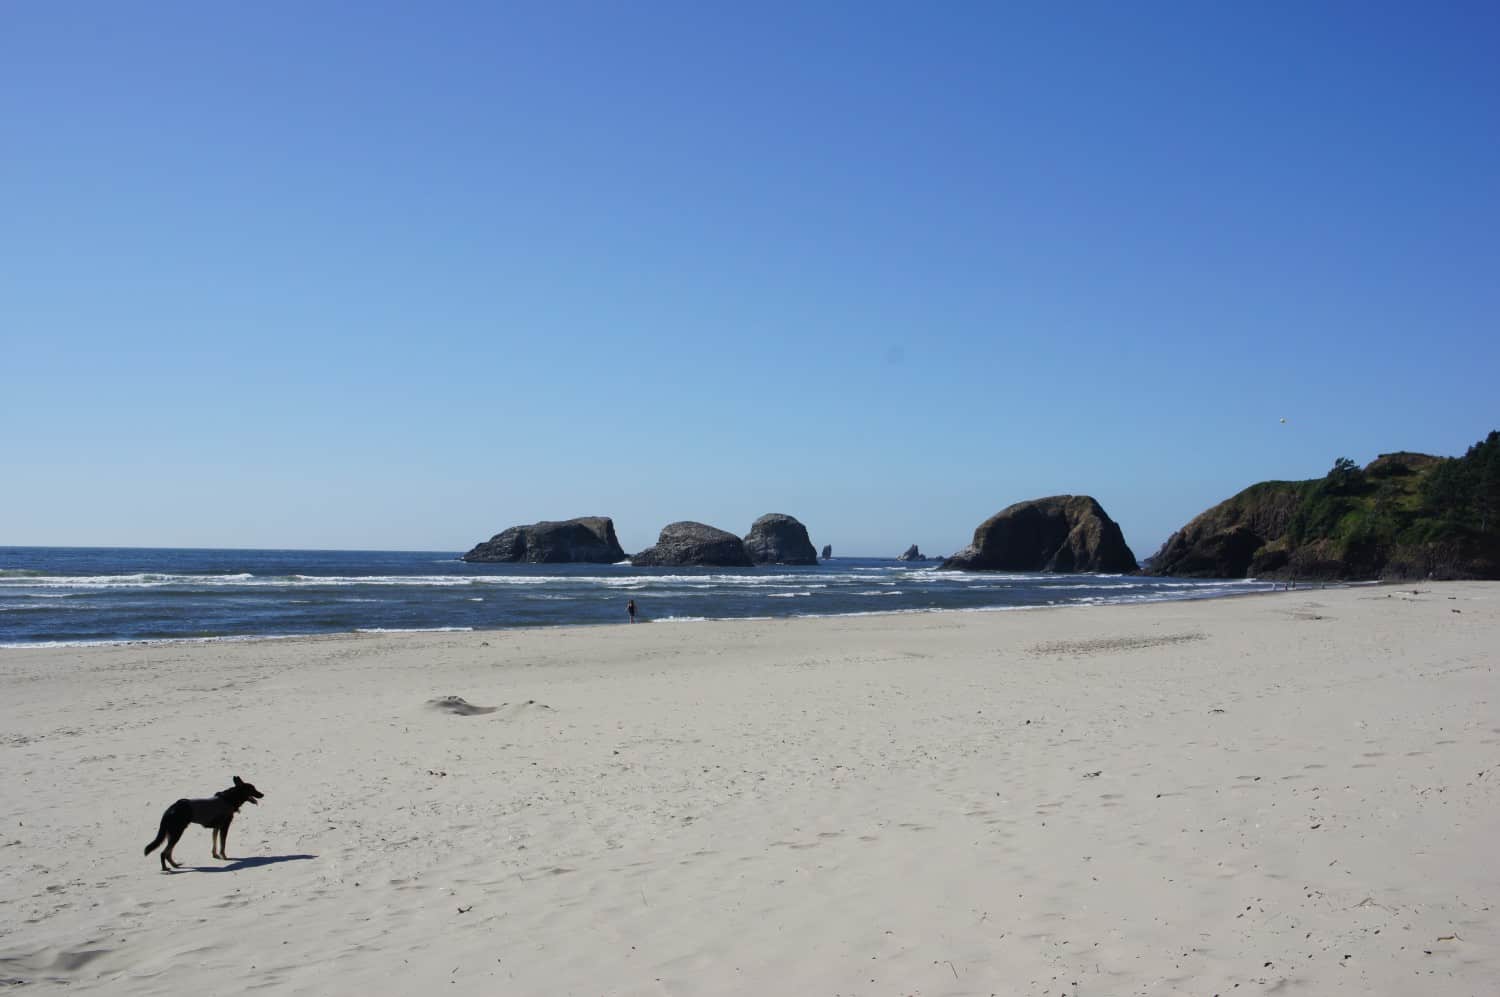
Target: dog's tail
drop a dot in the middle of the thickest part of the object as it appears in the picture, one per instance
(161, 836)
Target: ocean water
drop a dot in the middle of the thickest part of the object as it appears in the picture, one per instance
(51, 595)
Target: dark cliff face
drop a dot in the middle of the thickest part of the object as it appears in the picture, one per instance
(1402, 516)
(588, 540)
(776, 538)
(1223, 541)
(687, 543)
(1061, 533)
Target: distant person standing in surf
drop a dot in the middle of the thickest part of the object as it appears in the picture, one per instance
(630, 608)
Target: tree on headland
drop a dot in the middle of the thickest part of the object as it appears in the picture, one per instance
(1345, 476)
(1464, 493)
(1486, 458)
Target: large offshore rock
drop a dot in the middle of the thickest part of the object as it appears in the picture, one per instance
(776, 538)
(1059, 533)
(687, 543)
(827, 551)
(912, 554)
(589, 540)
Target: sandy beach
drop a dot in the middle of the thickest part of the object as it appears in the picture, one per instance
(1287, 793)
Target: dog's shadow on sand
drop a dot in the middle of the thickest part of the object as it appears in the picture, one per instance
(251, 863)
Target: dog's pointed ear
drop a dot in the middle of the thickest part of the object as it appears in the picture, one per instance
(237, 781)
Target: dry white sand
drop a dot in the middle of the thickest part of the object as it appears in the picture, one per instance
(1291, 793)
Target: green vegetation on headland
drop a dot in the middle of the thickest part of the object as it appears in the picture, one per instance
(1403, 516)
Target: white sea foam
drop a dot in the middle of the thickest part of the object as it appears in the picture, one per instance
(153, 641)
(411, 630)
(863, 612)
(22, 607)
(967, 578)
(748, 579)
(142, 580)
(1096, 585)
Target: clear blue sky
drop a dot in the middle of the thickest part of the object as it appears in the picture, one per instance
(399, 276)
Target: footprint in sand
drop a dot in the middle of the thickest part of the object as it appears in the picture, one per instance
(459, 707)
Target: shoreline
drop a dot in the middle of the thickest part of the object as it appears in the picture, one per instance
(376, 632)
(103, 598)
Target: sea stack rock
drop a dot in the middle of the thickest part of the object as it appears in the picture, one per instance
(1059, 533)
(911, 554)
(687, 543)
(776, 538)
(827, 551)
(588, 540)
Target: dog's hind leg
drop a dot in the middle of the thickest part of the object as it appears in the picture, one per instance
(166, 853)
(173, 823)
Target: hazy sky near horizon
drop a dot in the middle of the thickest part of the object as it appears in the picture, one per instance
(398, 276)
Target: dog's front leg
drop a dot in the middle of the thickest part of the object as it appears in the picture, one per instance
(224, 840)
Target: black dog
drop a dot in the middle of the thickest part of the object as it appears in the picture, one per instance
(215, 813)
